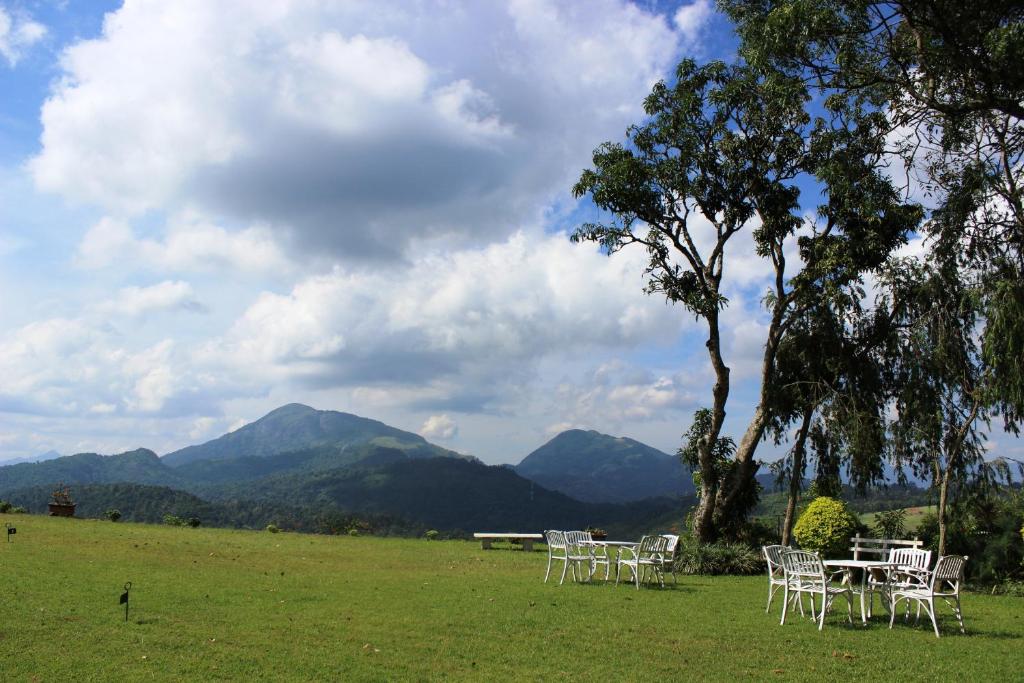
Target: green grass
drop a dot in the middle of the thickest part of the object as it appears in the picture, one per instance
(210, 604)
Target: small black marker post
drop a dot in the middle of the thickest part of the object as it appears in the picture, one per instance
(10, 531)
(124, 599)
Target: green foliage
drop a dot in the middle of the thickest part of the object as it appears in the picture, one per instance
(432, 534)
(694, 557)
(721, 451)
(18, 510)
(113, 514)
(273, 528)
(825, 526)
(5, 506)
(891, 523)
(174, 520)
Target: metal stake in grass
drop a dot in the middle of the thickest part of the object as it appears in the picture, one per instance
(124, 599)
(10, 531)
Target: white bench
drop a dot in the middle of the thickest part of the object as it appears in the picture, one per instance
(880, 546)
(527, 539)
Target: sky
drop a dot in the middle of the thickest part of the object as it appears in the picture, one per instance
(211, 209)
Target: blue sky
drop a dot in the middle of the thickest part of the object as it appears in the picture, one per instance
(208, 210)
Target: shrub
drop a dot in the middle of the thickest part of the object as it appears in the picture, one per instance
(928, 530)
(173, 520)
(194, 522)
(432, 535)
(18, 510)
(891, 523)
(5, 506)
(353, 531)
(112, 514)
(273, 528)
(717, 558)
(825, 526)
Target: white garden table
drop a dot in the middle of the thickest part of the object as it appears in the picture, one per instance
(865, 566)
(618, 545)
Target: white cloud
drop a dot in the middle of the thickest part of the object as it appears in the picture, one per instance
(349, 128)
(456, 323)
(190, 243)
(692, 19)
(618, 394)
(164, 296)
(18, 33)
(440, 427)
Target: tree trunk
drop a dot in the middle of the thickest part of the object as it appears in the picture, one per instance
(741, 476)
(953, 461)
(703, 523)
(796, 474)
(943, 497)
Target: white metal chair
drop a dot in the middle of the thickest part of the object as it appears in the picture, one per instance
(643, 559)
(580, 552)
(881, 580)
(557, 550)
(923, 586)
(776, 572)
(805, 574)
(669, 561)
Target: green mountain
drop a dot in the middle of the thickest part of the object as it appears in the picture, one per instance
(296, 428)
(448, 494)
(595, 467)
(140, 466)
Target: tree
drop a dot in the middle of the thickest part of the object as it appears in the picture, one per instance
(722, 151)
(948, 76)
(831, 385)
(940, 392)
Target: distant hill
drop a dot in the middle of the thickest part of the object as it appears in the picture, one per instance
(140, 466)
(295, 427)
(141, 503)
(48, 455)
(595, 467)
(449, 494)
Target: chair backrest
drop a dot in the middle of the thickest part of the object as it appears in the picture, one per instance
(578, 537)
(803, 566)
(673, 541)
(555, 539)
(773, 556)
(911, 557)
(949, 570)
(651, 547)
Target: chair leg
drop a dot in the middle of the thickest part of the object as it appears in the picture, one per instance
(564, 568)
(959, 614)
(931, 613)
(785, 603)
(548, 572)
(824, 608)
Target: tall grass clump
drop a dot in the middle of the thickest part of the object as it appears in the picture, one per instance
(717, 558)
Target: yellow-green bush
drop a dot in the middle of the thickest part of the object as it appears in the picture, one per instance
(825, 526)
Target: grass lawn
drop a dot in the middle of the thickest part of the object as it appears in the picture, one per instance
(211, 604)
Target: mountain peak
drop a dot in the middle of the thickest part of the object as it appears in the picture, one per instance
(596, 467)
(296, 427)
